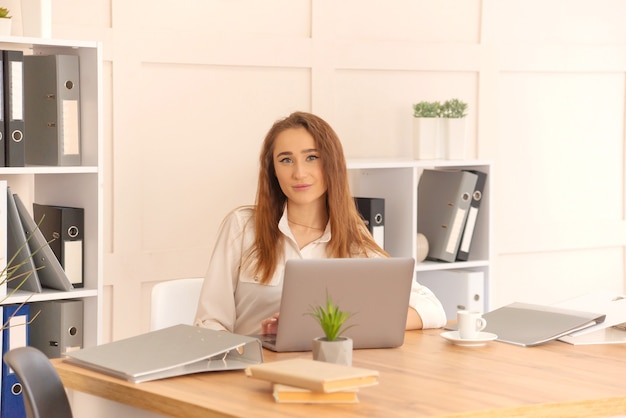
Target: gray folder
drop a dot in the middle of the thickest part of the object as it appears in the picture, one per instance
(18, 246)
(50, 273)
(58, 328)
(443, 202)
(528, 324)
(52, 109)
(174, 351)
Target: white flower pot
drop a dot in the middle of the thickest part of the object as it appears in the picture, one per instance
(455, 137)
(338, 351)
(426, 144)
(5, 27)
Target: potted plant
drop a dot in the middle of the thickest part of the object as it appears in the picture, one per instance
(426, 145)
(453, 128)
(333, 347)
(5, 22)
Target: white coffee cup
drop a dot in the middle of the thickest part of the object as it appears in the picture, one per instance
(470, 324)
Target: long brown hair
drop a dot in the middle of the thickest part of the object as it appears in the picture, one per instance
(350, 236)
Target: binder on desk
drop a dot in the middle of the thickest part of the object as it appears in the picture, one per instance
(15, 319)
(459, 289)
(443, 201)
(13, 62)
(372, 210)
(50, 273)
(63, 228)
(528, 325)
(19, 252)
(173, 351)
(52, 92)
(58, 328)
(472, 216)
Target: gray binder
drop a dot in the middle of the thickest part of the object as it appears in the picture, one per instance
(168, 352)
(527, 324)
(443, 201)
(52, 109)
(50, 273)
(58, 328)
(18, 247)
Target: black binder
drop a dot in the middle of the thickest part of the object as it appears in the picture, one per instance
(58, 328)
(66, 226)
(14, 146)
(472, 216)
(52, 93)
(443, 201)
(372, 210)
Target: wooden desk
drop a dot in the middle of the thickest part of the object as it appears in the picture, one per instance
(427, 376)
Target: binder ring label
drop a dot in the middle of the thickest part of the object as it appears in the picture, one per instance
(16, 389)
(73, 231)
(17, 135)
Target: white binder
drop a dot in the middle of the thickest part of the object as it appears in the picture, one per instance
(168, 352)
(456, 289)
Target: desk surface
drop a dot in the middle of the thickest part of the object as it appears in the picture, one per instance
(427, 376)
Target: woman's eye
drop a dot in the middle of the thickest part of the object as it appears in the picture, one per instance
(312, 157)
(285, 160)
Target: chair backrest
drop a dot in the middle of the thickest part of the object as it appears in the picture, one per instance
(174, 302)
(43, 393)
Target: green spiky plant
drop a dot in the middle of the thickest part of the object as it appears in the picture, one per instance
(10, 273)
(331, 318)
(4, 13)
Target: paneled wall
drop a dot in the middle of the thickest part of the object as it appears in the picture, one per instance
(192, 87)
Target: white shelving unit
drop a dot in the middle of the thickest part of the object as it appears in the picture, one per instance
(397, 181)
(79, 186)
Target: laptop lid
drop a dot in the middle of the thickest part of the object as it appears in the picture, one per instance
(375, 290)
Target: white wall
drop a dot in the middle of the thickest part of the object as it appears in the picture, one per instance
(191, 88)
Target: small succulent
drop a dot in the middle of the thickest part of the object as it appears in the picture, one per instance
(4, 13)
(330, 318)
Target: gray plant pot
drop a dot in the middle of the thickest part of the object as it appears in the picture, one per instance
(338, 351)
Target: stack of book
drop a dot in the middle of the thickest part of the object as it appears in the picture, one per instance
(302, 380)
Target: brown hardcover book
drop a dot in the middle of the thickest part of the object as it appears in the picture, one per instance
(317, 376)
(292, 394)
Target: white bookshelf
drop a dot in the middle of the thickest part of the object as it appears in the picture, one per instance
(397, 182)
(78, 186)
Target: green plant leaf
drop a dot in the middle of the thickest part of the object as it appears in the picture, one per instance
(330, 318)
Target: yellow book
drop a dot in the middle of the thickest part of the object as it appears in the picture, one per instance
(317, 376)
(292, 394)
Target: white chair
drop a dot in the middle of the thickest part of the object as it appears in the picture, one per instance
(174, 302)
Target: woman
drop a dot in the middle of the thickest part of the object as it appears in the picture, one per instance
(304, 209)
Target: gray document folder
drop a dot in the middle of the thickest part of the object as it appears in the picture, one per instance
(443, 202)
(50, 273)
(168, 352)
(52, 109)
(527, 324)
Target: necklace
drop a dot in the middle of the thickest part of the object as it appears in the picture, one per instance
(306, 226)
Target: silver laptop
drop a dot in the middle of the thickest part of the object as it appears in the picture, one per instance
(376, 290)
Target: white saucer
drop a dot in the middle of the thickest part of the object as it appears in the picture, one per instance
(482, 339)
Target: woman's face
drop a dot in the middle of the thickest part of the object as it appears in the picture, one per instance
(298, 166)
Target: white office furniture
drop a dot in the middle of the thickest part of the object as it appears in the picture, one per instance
(174, 302)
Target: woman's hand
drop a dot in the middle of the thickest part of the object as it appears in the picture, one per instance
(270, 325)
